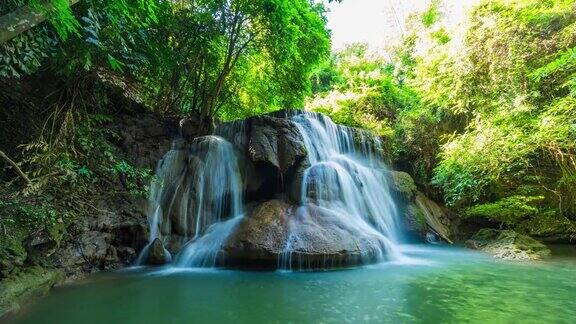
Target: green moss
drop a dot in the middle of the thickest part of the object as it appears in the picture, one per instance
(551, 226)
(403, 183)
(507, 244)
(12, 254)
(420, 217)
(25, 287)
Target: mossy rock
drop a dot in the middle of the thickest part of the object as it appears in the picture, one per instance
(414, 219)
(28, 285)
(508, 245)
(550, 227)
(12, 255)
(403, 184)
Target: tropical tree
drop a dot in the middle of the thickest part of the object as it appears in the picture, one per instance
(197, 48)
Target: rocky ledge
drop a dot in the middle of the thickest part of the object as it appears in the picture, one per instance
(508, 245)
(278, 229)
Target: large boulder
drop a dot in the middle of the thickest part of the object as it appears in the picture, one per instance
(435, 216)
(278, 234)
(260, 236)
(508, 245)
(275, 142)
(402, 184)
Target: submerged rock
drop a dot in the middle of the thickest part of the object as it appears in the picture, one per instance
(508, 245)
(33, 283)
(157, 254)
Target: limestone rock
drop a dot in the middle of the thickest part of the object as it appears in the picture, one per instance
(317, 238)
(403, 184)
(157, 254)
(436, 217)
(276, 142)
(259, 237)
(508, 245)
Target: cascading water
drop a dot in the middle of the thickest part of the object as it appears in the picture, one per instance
(346, 178)
(196, 199)
(197, 204)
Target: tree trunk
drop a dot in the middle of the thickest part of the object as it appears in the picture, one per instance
(21, 20)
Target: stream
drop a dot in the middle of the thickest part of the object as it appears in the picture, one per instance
(433, 284)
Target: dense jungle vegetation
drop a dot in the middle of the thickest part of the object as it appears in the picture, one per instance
(486, 124)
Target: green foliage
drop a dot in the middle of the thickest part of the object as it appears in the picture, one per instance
(256, 56)
(550, 224)
(96, 32)
(432, 14)
(501, 107)
(358, 88)
(510, 210)
(490, 122)
(32, 215)
(24, 54)
(135, 179)
(59, 13)
(77, 156)
(441, 36)
(211, 58)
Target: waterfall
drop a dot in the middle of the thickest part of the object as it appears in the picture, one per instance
(197, 202)
(347, 178)
(196, 199)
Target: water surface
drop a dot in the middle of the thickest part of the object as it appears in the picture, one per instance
(436, 284)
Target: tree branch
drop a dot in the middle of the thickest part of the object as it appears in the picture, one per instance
(16, 167)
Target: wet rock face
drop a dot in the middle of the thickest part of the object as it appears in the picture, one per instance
(146, 137)
(106, 239)
(275, 150)
(318, 238)
(508, 245)
(276, 142)
(260, 237)
(421, 216)
(157, 254)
